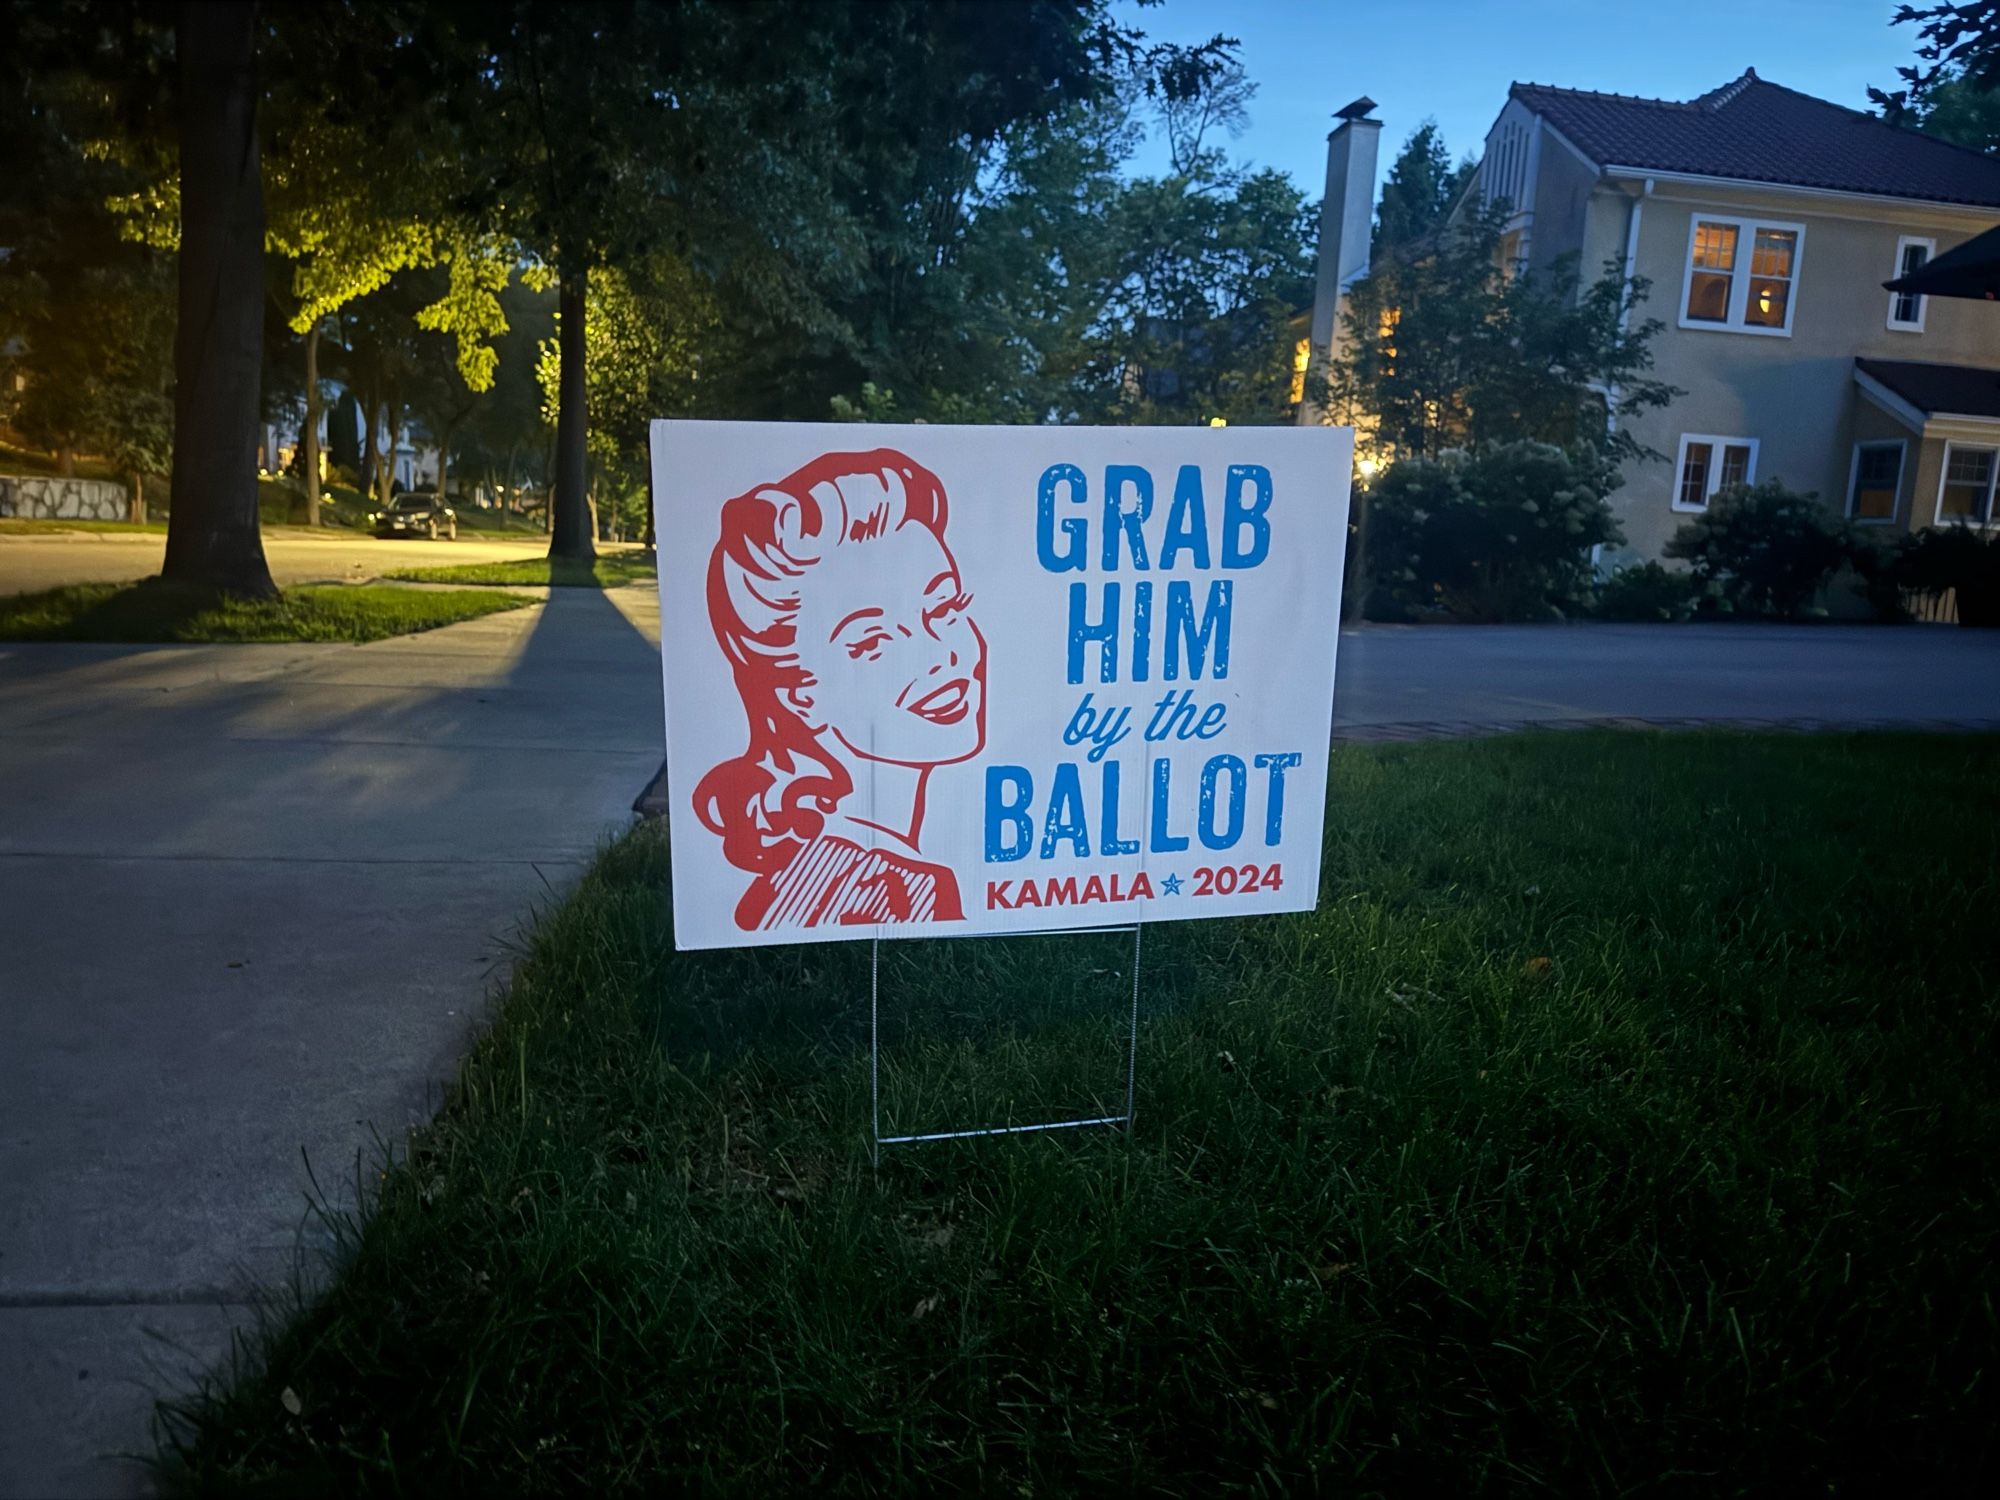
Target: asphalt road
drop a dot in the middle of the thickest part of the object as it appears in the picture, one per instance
(1455, 674)
(44, 560)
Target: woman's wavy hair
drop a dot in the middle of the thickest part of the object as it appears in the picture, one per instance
(776, 795)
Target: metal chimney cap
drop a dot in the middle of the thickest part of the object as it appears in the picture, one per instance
(1359, 109)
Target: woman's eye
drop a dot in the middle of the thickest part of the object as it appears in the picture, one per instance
(945, 609)
(868, 645)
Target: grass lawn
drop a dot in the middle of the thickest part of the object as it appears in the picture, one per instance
(610, 570)
(146, 612)
(1627, 1118)
(29, 525)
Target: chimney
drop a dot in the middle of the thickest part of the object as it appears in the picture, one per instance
(1346, 223)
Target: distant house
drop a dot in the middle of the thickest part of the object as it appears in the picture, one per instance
(1765, 221)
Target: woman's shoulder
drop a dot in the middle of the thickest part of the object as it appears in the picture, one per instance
(834, 879)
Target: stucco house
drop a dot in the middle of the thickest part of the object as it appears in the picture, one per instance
(1765, 221)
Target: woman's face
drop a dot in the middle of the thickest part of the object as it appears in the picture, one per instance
(897, 666)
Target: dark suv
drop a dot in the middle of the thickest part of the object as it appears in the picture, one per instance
(417, 515)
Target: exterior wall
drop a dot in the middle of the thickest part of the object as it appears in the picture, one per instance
(1794, 394)
(1927, 473)
(1563, 186)
(41, 498)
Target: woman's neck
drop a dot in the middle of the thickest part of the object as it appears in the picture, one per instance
(894, 794)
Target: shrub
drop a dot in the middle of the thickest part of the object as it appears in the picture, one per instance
(1647, 592)
(1501, 534)
(1959, 558)
(1765, 550)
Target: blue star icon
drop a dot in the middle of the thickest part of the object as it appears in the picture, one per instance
(1171, 886)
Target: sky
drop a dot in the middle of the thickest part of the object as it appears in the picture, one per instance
(1452, 60)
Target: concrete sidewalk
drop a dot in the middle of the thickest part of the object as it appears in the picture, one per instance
(251, 900)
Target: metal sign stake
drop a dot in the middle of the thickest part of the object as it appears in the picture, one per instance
(879, 1140)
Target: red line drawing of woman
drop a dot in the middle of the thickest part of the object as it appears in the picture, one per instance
(846, 624)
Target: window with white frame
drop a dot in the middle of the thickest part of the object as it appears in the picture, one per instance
(1742, 274)
(1906, 309)
(1965, 490)
(1708, 464)
(1874, 481)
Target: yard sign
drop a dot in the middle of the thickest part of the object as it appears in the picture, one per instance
(938, 681)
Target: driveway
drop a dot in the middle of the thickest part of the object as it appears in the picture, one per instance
(251, 899)
(49, 559)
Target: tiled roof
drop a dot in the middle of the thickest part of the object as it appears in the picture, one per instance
(1950, 390)
(1761, 132)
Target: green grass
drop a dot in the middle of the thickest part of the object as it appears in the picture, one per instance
(156, 612)
(472, 517)
(610, 570)
(29, 525)
(1625, 1120)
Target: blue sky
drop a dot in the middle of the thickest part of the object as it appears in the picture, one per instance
(1452, 60)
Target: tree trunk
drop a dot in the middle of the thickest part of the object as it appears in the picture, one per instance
(1354, 598)
(569, 502)
(309, 439)
(136, 514)
(66, 461)
(393, 435)
(385, 462)
(651, 537)
(212, 535)
(444, 460)
(365, 410)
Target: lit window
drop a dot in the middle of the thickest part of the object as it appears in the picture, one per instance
(1878, 476)
(1301, 357)
(1708, 465)
(1906, 309)
(1966, 491)
(1712, 272)
(1770, 298)
(1720, 295)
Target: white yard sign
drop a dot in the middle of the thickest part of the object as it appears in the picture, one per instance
(951, 680)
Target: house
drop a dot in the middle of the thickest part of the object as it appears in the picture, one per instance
(1765, 222)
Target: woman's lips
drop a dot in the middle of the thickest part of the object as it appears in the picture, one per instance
(945, 705)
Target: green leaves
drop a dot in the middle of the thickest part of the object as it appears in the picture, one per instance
(1447, 348)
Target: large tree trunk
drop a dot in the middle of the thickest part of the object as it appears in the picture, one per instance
(570, 525)
(383, 463)
(309, 439)
(444, 461)
(212, 535)
(365, 410)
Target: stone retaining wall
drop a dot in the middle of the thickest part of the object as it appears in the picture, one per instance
(39, 498)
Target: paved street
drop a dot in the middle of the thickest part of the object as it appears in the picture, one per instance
(251, 898)
(1396, 674)
(46, 560)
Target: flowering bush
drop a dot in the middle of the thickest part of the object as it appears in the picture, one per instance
(1500, 534)
(1765, 549)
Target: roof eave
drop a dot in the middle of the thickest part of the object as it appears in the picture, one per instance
(1986, 211)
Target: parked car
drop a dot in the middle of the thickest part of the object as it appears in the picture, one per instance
(416, 515)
